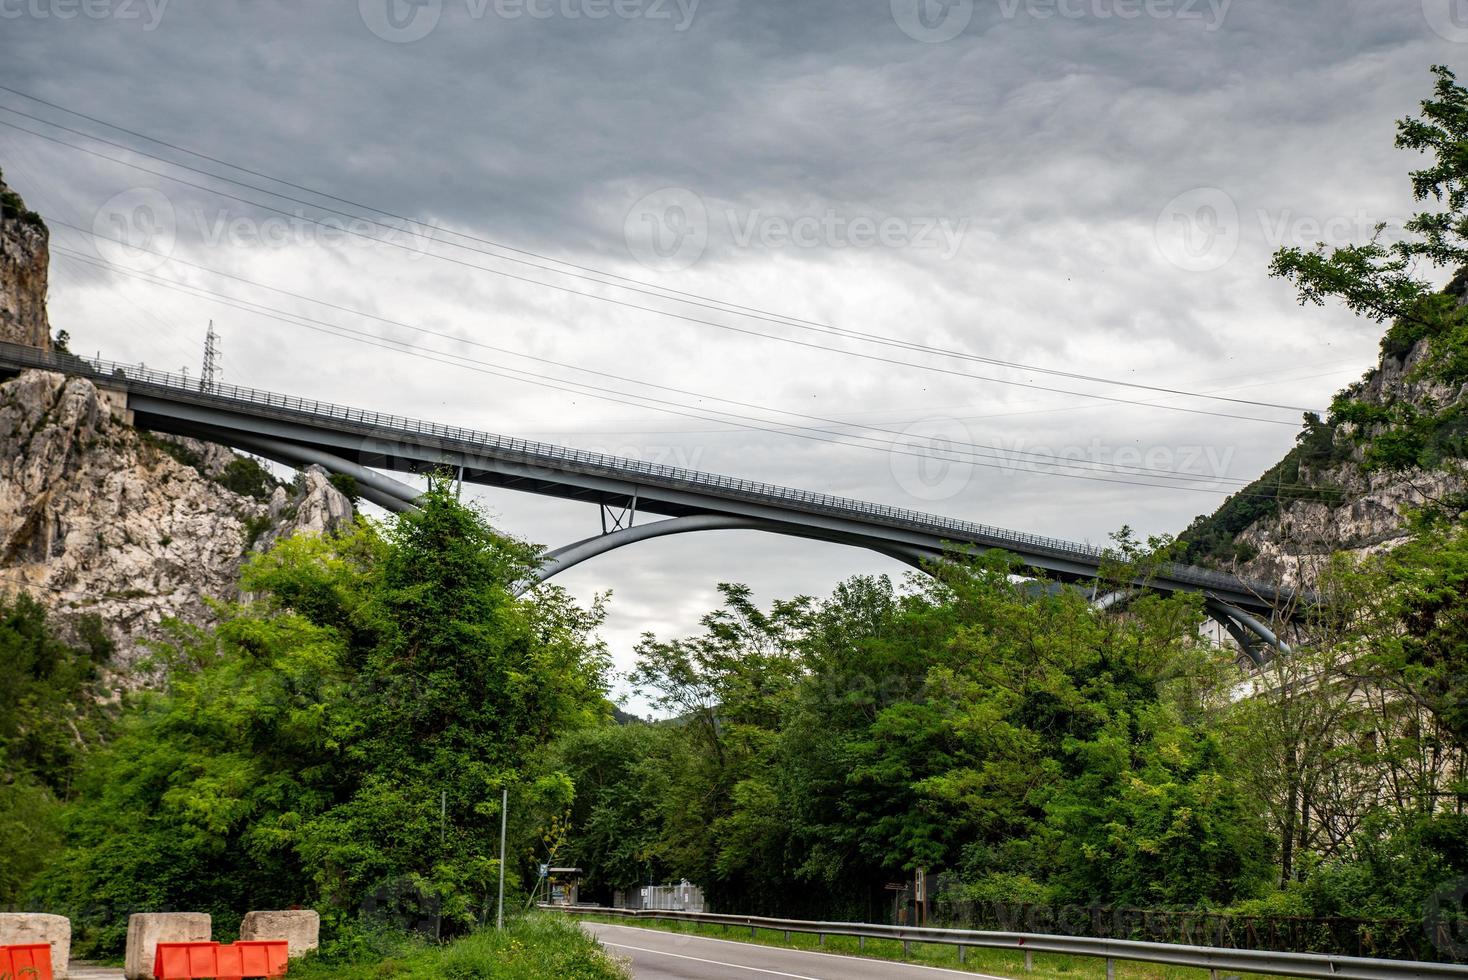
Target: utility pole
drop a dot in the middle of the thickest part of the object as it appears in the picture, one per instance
(211, 360)
(499, 916)
(443, 819)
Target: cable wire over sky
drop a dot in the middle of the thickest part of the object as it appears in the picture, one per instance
(620, 282)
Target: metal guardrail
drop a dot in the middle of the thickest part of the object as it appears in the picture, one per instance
(1219, 961)
(142, 378)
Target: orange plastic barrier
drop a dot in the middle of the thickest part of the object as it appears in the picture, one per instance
(29, 962)
(183, 961)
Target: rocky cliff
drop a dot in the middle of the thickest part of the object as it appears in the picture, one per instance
(113, 528)
(24, 259)
(1321, 498)
(99, 518)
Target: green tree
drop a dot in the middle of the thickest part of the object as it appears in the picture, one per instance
(342, 740)
(1381, 280)
(971, 724)
(51, 712)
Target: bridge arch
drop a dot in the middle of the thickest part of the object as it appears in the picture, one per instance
(1257, 641)
(577, 552)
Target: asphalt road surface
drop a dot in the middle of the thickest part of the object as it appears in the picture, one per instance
(658, 955)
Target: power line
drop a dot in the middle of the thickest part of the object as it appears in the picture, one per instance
(842, 333)
(779, 317)
(581, 388)
(841, 424)
(251, 306)
(696, 298)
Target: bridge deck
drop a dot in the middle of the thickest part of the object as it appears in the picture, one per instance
(176, 404)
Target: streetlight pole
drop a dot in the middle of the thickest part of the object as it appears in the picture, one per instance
(499, 917)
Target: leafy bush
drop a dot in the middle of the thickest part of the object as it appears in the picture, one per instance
(248, 478)
(346, 485)
(532, 948)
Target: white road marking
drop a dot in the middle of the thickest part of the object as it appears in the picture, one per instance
(811, 952)
(699, 959)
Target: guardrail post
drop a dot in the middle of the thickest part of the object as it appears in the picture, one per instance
(1029, 960)
(861, 943)
(962, 955)
(1110, 969)
(820, 939)
(906, 948)
(787, 935)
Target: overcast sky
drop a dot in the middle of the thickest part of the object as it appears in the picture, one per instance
(1088, 186)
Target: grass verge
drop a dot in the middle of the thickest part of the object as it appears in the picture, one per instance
(999, 962)
(538, 947)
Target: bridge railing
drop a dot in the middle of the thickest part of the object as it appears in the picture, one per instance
(1325, 966)
(958, 531)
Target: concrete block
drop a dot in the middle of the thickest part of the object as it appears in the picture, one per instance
(299, 927)
(26, 929)
(145, 930)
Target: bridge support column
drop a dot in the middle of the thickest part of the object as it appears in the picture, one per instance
(384, 491)
(1258, 641)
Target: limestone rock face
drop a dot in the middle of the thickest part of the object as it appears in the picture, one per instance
(99, 518)
(24, 257)
(1293, 546)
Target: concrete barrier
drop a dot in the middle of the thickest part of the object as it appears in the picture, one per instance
(301, 928)
(145, 930)
(24, 928)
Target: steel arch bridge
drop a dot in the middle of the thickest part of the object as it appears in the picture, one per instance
(301, 432)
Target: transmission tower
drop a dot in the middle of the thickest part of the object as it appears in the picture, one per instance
(210, 374)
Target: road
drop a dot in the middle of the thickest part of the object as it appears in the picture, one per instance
(658, 955)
